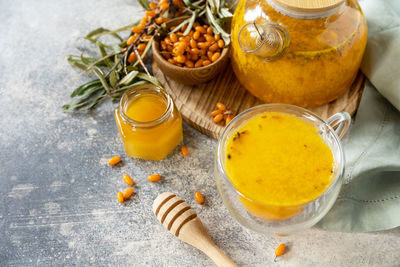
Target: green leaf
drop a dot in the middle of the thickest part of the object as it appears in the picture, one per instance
(113, 78)
(216, 27)
(99, 73)
(191, 5)
(102, 31)
(183, 23)
(81, 89)
(191, 22)
(148, 78)
(129, 77)
(144, 4)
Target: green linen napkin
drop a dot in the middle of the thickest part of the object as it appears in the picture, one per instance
(370, 196)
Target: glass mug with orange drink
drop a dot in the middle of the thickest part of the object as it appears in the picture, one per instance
(279, 167)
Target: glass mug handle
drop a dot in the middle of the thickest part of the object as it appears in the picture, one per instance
(340, 123)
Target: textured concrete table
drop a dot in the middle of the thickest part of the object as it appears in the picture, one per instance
(58, 196)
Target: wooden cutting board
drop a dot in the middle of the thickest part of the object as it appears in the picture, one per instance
(196, 102)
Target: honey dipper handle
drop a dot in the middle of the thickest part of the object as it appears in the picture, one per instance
(194, 234)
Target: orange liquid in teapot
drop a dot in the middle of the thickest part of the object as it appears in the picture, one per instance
(320, 63)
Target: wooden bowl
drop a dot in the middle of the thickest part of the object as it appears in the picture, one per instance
(183, 75)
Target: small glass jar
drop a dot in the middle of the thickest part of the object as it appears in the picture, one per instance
(152, 138)
(284, 219)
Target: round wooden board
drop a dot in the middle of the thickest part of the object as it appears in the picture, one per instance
(196, 102)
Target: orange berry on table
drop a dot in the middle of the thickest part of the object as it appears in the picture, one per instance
(154, 178)
(280, 250)
(199, 197)
(120, 197)
(220, 106)
(218, 118)
(128, 180)
(114, 160)
(128, 193)
(185, 151)
(216, 112)
(228, 119)
(132, 57)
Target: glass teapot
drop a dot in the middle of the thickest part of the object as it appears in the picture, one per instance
(301, 52)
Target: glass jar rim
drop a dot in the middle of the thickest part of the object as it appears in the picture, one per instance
(145, 89)
(222, 140)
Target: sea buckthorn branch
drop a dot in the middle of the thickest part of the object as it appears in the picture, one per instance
(122, 65)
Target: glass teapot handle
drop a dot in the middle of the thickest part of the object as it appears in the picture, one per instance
(267, 41)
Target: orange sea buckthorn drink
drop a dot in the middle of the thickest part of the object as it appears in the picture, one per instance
(149, 123)
(279, 167)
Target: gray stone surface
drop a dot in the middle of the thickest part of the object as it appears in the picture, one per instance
(58, 196)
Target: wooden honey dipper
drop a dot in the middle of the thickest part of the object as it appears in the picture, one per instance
(180, 220)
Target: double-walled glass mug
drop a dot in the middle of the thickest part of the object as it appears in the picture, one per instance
(282, 219)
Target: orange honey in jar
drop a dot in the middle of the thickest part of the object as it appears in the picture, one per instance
(149, 123)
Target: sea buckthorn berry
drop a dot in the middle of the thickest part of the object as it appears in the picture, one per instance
(193, 43)
(114, 160)
(179, 50)
(164, 6)
(150, 13)
(153, 5)
(194, 57)
(166, 56)
(209, 38)
(128, 180)
(181, 59)
(213, 47)
(141, 47)
(130, 40)
(132, 57)
(167, 41)
(196, 35)
(280, 250)
(154, 178)
(209, 30)
(200, 29)
(215, 112)
(199, 197)
(202, 45)
(195, 51)
(220, 106)
(221, 43)
(195, 24)
(206, 62)
(159, 20)
(215, 56)
(189, 64)
(128, 193)
(138, 29)
(209, 55)
(185, 151)
(184, 27)
(120, 197)
(217, 37)
(199, 63)
(228, 119)
(218, 118)
(173, 37)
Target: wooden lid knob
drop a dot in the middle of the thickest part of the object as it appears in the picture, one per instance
(309, 5)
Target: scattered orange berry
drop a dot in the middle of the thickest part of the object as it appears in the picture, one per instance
(280, 250)
(120, 197)
(154, 178)
(199, 197)
(114, 160)
(128, 193)
(185, 151)
(128, 180)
